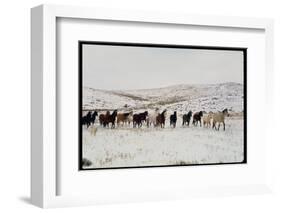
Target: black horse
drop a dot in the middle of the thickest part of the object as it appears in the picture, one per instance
(86, 120)
(93, 117)
(139, 118)
(197, 118)
(186, 118)
(173, 119)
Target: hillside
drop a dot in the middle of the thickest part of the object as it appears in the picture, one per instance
(209, 97)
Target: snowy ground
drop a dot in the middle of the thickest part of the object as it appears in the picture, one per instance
(128, 147)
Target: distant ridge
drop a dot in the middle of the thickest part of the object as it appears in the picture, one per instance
(182, 97)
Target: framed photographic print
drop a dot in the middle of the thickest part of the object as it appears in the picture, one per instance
(148, 105)
(170, 118)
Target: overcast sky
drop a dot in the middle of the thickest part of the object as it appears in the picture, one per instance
(123, 67)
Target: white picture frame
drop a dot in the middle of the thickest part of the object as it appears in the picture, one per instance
(44, 169)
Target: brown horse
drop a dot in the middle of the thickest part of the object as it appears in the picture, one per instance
(124, 118)
(102, 118)
(160, 119)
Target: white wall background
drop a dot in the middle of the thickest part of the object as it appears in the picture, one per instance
(15, 104)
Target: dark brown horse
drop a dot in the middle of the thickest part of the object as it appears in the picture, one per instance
(110, 119)
(139, 118)
(103, 117)
(160, 119)
(197, 118)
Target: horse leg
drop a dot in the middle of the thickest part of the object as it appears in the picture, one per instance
(223, 126)
(214, 125)
(219, 126)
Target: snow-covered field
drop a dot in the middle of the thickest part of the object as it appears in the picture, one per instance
(128, 147)
(132, 147)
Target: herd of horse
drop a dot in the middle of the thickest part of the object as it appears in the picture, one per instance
(155, 119)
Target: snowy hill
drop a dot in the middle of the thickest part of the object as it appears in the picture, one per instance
(209, 97)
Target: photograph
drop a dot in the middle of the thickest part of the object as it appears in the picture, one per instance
(161, 105)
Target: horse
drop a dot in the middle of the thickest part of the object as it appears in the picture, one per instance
(102, 118)
(86, 120)
(124, 118)
(110, 118)
(207, 119)
(173, 119)
(93, 117)
(197, 118)
(160, 119)
(219, 118)
(139, 118)
(151, 119)
(186, 118)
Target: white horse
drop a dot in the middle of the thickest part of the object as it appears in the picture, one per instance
(219, 118)
(130, 119)
(151, 119)
(207, 119)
